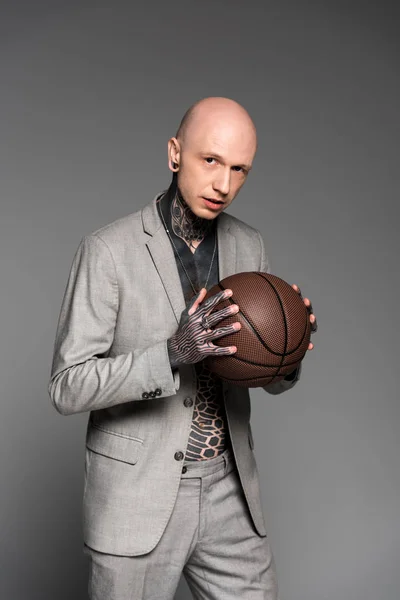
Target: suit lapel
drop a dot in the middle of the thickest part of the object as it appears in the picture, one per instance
(226, 247)
(163, 256)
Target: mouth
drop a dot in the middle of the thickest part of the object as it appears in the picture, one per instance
(215, 201)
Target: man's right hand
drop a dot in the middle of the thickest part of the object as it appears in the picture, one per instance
(192, 342)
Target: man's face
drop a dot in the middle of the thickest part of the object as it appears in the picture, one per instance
(214, 162)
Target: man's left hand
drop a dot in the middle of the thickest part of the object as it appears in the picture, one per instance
(313, 318)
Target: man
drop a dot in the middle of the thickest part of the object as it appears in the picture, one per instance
(171, 483)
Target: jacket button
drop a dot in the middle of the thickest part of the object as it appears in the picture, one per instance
(158, 392)
(184, 469)
(145, 395)
(179, 455)
(188, 401)
(152, 394)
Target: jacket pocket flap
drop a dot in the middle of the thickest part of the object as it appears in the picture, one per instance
(113, 445)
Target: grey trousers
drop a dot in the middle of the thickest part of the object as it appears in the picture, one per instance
(209, 538)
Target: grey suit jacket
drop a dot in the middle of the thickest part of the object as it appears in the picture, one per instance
(123, 300)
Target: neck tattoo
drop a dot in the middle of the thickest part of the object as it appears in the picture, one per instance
(185, 224)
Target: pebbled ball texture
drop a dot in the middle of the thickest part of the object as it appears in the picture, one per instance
(275, 330)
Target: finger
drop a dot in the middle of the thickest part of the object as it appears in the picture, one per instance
(222, 350)
(215, 299)
(196, 300)
(191, 307)
(314, 325)
(210, 348)
(296, 288)
(218, 315)
(221, 331)
(308, 304)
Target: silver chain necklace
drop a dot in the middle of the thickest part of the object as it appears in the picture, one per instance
(177, 253)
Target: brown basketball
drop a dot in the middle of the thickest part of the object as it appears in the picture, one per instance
(275, 330)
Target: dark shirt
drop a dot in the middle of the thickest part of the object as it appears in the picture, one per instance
(208, 435)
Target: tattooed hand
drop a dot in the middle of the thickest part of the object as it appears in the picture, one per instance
(191, 343)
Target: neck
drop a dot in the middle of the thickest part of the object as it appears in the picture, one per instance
(185, 224)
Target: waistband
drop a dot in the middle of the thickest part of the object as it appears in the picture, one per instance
(202, 468)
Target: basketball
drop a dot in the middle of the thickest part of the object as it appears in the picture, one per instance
(275, 330)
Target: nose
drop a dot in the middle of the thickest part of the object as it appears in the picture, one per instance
(223, 181)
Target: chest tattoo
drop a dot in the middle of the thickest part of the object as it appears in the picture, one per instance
(208, 431)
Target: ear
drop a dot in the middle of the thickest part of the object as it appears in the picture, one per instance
(173, 155)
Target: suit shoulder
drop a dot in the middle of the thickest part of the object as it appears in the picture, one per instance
(126, 229)
(118, 226)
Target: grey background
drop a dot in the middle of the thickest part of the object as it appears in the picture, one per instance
(90, 94)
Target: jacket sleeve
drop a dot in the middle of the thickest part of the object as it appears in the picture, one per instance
(292, 378)
(83, 376)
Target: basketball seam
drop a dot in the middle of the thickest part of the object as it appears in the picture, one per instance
(230, 379)
(231, 300)
(254, 364)
(284, 321)
(251, 326)
(305, 331)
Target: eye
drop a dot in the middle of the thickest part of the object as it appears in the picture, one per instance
(209, 158)
(238, 168)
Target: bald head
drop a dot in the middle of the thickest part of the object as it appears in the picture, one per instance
(212, 154)
(212, 113)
